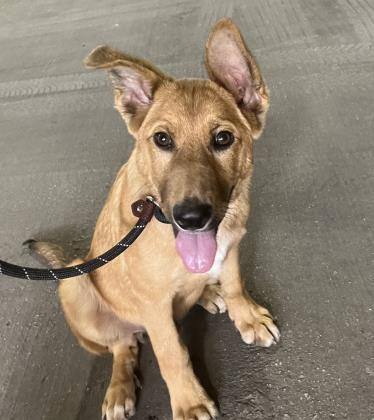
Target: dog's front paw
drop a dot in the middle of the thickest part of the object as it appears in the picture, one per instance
(212, 300)
(256, 325)
(205, 411)
(119, 402)
(191, 405)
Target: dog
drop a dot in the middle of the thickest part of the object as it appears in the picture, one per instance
(193, 154)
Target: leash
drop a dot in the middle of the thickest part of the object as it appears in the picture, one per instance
(143, 209)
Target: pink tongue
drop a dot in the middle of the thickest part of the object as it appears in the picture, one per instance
(197, 250)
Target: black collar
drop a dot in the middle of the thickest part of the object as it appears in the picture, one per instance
(159, 215)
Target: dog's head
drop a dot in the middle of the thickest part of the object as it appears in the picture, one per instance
(194, 137)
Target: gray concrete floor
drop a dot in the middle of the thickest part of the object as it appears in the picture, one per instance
(309, 251)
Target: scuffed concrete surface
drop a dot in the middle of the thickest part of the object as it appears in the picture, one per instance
(309, 251)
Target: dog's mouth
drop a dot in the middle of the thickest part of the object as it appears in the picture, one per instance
(197, 249)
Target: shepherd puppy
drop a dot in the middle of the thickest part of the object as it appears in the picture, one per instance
(193, 154)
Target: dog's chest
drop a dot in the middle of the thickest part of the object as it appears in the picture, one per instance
(224, 241)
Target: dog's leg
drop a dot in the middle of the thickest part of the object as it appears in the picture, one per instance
(99, 330)
(188, 398)
(254, 322)
(119, 401)
(212, 300)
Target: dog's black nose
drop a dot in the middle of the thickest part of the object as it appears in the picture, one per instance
(191, 214)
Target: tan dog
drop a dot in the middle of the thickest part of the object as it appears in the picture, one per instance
(193, 153)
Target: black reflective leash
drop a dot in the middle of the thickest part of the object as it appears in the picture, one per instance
(143, 209)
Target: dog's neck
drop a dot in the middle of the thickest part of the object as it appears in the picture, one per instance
(131, 184)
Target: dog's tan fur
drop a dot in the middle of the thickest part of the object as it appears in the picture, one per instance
(148, 288)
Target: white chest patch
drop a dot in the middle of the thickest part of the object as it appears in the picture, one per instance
(223, 243)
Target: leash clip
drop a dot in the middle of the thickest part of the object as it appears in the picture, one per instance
(145, 209)
(158, 210)
(152, 200)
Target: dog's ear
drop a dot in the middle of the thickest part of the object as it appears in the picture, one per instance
(135, 82)
(231, 65)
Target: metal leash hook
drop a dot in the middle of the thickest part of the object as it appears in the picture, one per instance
(160, 216)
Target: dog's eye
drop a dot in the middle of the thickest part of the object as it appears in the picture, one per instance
(223, 140)
(163, 140)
